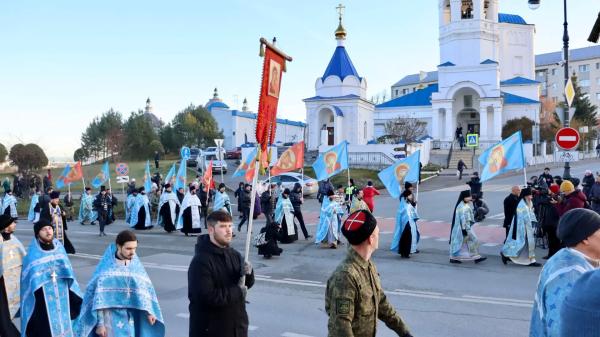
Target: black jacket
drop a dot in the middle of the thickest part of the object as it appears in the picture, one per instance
(245, 200)
(217, 306)
(548, 214)
(296, 199)
(510, 208)
(101, 203)
(475, 185)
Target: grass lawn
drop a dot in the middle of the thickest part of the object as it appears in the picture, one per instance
(136, 170)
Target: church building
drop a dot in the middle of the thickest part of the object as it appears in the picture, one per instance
(485, 77)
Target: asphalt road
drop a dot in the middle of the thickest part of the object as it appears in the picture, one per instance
(434, 297)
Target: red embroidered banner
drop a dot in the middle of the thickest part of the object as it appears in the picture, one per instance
(273, 66)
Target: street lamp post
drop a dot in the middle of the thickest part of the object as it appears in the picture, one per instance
(534, 4)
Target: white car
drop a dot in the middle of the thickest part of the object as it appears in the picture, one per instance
(310, 185)
(212, 150)
(217, 165)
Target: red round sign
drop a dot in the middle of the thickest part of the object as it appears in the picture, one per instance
(567, 138)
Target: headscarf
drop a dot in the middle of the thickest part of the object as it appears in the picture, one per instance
(461, 198)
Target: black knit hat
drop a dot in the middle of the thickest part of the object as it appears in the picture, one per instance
(464, 194)
(359, 226)
(577, 225)
(525, 192)
(54, 195)
(407, 185)
(37, 227)
(5, 221)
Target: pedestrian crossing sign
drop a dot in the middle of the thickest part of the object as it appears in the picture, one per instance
(472, 140)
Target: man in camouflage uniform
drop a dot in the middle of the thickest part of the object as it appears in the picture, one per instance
(354, 299)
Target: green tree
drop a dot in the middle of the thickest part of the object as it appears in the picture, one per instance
(194, 126)
(522, 124)
(168, 139)
(138, 133)
(103, 137)
(3, 153)
(80, 154)
(156, 145)
(27, 157)
(585, 114)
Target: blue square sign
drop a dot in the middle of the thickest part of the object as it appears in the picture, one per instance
(472, 140)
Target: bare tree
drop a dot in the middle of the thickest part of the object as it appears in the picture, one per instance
(405, 129)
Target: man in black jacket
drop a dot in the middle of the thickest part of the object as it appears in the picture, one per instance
(267, 199)
(215, 289)
(297, 199)
(101, 205)
(510, 207)
(245, 204)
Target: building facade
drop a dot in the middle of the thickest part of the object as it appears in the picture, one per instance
(239, 126)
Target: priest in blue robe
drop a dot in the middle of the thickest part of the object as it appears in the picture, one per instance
(34, 215)
(329, 227)
(9, 204)
(520, 242)
(11, 262)
(86, 208)
(120, 300)
(284, 216)
(464, 245)
(140, 213)
(222, 201)
(129, 203)
(404, 241)
(579, 231)
(50, 295)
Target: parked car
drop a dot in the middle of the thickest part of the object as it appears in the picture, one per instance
(193, 160)
(310, 185)
(217, 165)
(212, 150)
(235, 153)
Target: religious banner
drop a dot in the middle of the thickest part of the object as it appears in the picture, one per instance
(147, 178)
(332, 161)
(207, 178)
(505, 156)
(404, 170)
(171, 176)
(102, 176)
(273, 66)
(60, 182)
(292, 159)
(74, 174)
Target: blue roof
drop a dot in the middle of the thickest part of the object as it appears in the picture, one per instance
(418, 98)
(338, 111)
(216, 105)
(518, 81)
(340, 65)
(316, 98)
(574, 55)
(432, 76)
(511, 18)
(447, 64)
(252, 115)
(515, 99)
(488, 61)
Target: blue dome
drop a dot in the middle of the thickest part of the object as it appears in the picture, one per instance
(216, 105)
(340, 65)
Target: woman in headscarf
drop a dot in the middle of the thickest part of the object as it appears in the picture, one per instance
(405, 234)
(464, 245)
(520, 243)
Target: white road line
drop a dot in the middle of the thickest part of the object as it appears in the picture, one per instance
(419, 292)
(441, 239)
(183, 315)
(497, 216)
(386, 232)
(438, 221)
(491, 244)
(462, 299)
(297, 280)
(252, 327)
(424, 237)
(499, 299)
(319, 285)
(291, 334)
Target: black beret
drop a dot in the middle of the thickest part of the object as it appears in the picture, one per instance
(359, 226)
(577, 225)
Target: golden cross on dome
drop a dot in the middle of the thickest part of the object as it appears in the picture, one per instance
(340, 9)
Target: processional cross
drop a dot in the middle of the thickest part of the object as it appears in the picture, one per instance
(340, 9)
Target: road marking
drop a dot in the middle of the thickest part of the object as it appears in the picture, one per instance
(491, 244)
(419, 292)
(320, 285)
(497, 216)
(507, 302)
(183, 315)
(252, 327)
(424, 237)
(438, 221)
(386, 232)
(441, 239)
(499, 299)
(297, 280)
(291, 334)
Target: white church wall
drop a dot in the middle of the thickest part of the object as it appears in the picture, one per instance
(482, 78)
(332, 86)
(529, 91)
(516, 51)
(288, 133)
(224, 121)
(513, 111)
(244, 127)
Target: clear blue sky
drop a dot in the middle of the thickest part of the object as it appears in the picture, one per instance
(64, 62)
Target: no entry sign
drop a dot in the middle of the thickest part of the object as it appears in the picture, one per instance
(567, 138)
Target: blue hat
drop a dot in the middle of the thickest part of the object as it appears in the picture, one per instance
(580, 312)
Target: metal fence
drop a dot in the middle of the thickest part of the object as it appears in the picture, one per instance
(369, 160)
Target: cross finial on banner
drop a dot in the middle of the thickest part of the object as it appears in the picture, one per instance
(340, 9)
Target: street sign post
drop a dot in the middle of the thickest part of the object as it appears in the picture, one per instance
(122, 179)
(122, 169)
(185, 153)
(472, 140)
(567, 138)
(219, 144)
(569, 92)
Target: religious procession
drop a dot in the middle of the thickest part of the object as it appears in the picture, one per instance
(463, 201)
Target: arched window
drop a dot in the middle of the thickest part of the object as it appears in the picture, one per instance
(466, 10)
(365, 130)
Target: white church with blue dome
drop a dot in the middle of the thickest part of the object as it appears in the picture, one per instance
(485, 77)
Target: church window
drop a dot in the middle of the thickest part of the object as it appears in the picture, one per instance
(468, 101)
(584, 83)
(584, 68)
(467, 9)
(597, 65)
(396, 92)
(553, 72)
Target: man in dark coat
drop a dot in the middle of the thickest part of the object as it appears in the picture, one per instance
(510, 207)
(245, 203)
(475, 185)
(547, 177)
(548, 218)
(297, 199)
(587, 182)
(266, 202)
(461, 166)
(101, 205)
(216, 292)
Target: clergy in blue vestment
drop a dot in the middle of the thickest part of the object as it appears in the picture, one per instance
(50, 295)
(129, 205)
(189, 221)
(519, 246)
(405, 238)
(464, 244)
(222, 201)
(284, 216)
(9, 204)
(11, 262)
(168, 209)
(579, 231)
(140, 213)
(32, 215)
(86, 208)
(328, 229)
(120, 300)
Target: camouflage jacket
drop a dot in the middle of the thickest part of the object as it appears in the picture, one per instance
(355, 300)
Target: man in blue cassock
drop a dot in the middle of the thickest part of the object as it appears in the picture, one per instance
(329, 227)
(86, 208)
(129, 203)
(579, 230)
(140, 213)
(120, 300)
(520, 242)
(9, 204)
(464, 245)
(222, 201)
(404, 241)
(50, 295)
(33, 215)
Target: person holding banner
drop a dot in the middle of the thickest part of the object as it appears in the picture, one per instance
(140, 213)
(328, 230)
(406, 234)
(86, 209)
(464, 245)
(520, 243)
(168, 209)
(189, 213)
(9, 204)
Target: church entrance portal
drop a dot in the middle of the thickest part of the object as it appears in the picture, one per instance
(327, 121)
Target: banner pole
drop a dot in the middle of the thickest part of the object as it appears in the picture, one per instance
(251, 216)
(417, 197)
(525, 174)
